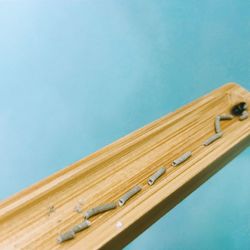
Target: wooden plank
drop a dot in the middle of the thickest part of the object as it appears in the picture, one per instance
(27, 220)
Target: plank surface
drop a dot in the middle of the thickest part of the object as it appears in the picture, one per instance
(33, 218)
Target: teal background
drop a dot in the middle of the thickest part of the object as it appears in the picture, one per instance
(77, 75)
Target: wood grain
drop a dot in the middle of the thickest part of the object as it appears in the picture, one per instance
(28, 222)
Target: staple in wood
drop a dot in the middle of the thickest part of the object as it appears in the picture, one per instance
(217, 124)
(100, 209)
(129, 194)
(80, 227)
(182, 158)
(244, 116)
(156, 175)
(66, 236)
(212, 139)
(226, 117)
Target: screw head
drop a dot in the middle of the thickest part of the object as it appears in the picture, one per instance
(238, 109)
